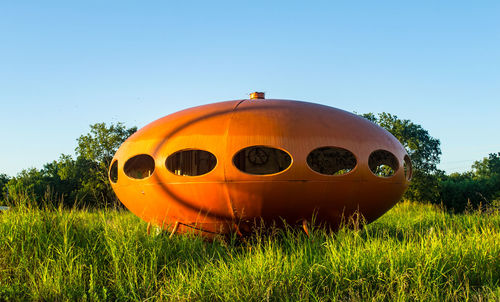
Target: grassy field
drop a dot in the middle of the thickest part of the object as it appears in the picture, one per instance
(413, 253)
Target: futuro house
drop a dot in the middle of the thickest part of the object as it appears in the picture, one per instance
(218, 167)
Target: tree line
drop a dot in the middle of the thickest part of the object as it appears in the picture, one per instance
(83, 180)
(80, 181)
(477, 187)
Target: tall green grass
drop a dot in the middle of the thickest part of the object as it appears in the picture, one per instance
(414, 252)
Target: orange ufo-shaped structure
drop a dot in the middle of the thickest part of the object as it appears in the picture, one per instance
(218, 167)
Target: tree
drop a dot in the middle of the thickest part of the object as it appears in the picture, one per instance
(424, 152)
(83, 180)
(487, 171)
(481, 186)
(4, 179)
(31, 182)
(487, 167)
(47, 185)
(95, 151)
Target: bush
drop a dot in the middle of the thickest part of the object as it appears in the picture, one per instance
(82, 181)
(481, 186)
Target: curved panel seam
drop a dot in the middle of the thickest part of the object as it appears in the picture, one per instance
(226, 134)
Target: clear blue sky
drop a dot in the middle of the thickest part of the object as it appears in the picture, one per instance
(66, 65)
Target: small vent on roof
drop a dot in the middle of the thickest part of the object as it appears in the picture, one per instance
(257, 95)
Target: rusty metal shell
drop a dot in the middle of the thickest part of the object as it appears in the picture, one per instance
(224, 197)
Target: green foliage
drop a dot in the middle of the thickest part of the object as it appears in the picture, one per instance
(424, 152)
(52, 179)
(456, 192)
(488, 167)
(101, 143)
(413, 253)
(4, 179)
(481, 186)
(82, 180)
(95, 151)
(384, 171)
(423, 149)
(30, 181)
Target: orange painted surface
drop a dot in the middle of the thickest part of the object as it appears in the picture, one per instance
(224, 197)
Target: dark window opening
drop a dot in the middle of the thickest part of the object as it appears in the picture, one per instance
(331, 161)
(191, 162)
(261, 160)
(383, 163)
(408, 168)
(139, 166)
(113, 172)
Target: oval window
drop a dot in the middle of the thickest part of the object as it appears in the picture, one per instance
(383, 163)
(261, 160)
(191, 162)
(139, 166)
(408, 168)
(113, 172)
(331, 160)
